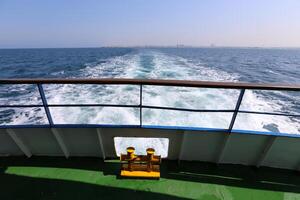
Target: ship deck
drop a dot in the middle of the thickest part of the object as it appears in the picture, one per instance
(92, 178)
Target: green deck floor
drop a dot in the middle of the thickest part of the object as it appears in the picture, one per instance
(90, 178)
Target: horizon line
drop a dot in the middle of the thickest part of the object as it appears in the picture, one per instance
(182, 46)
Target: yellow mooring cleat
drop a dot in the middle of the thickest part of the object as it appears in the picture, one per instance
(140, 166)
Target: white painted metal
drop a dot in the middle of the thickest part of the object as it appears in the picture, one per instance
(266, 150)
(81, 141)
(19, 142)
(60, 142)
(101, 143)
(223, 148)
(238, 148)
(244, 149)
(284, 153)
(201, 146)
(183, 146)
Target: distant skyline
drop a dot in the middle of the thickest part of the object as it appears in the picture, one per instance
(97, 23)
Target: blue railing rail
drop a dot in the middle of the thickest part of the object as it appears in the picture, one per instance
(145, 82)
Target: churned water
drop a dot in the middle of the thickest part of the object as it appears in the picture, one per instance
(212, 64)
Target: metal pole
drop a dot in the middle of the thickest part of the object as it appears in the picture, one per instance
(227, 136)
(45, 104)
(141, 104)
(236, 110)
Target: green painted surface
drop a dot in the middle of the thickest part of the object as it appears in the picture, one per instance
(90, 178)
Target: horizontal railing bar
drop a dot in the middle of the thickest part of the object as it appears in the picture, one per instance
(70, 105)
(149, 107)
(25, 126)
(115, 105)
(20, 106)
(158, 82)
(269, 113)
(188, 128)
(93, 105)
(95, 126)
(185, 109)
(279, 134)
(70, 126)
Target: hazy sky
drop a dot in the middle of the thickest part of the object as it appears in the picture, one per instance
(92, 23)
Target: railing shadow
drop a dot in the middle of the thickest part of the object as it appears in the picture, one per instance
(25, 187)
(263, 178)
(229, 175)
(21, 187)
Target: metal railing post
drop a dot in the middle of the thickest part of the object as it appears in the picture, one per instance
(141, 104)
(236, 110)
(227, 135)
(45, 104)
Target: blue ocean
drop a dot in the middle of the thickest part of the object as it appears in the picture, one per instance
(255, 65)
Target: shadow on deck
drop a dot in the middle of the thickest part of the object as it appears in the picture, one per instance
(19, 186)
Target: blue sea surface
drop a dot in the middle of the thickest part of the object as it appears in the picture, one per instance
(52, 63)
(257, 65)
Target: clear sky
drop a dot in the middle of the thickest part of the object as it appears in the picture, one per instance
(93, 23)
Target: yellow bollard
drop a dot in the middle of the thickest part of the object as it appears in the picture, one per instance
(146, 166)
(130, 152)
(150, 153)
(130, 157)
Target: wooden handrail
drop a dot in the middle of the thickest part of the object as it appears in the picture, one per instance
(158, 82)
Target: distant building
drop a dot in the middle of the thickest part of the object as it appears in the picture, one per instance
(180, 45)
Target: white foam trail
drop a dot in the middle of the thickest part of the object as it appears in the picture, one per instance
(23, 94)
(108, 94)
(255, 102)
(163, 66)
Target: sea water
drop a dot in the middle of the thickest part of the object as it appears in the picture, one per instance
(210, 64)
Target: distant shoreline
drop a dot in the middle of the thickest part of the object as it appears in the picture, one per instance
(151, 47)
